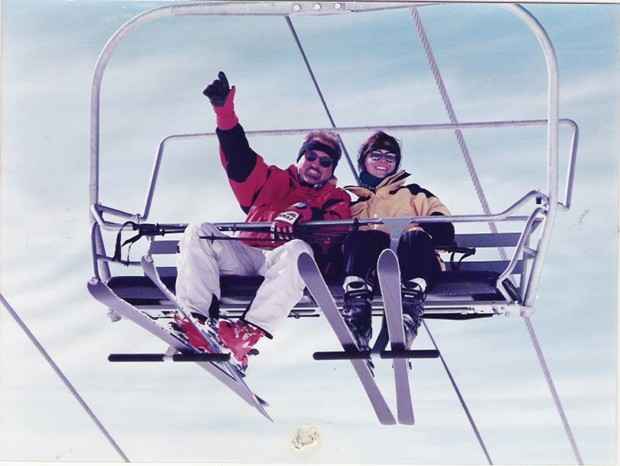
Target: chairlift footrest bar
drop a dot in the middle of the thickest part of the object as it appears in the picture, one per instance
(160, 357)
(340, 355)
(410, 354)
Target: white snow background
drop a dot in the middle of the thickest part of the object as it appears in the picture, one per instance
(373, 71)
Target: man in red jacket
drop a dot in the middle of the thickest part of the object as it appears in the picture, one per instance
(266, 193)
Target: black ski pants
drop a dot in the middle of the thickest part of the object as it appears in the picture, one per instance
(416, 255)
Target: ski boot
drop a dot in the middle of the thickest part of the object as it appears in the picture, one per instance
(239, 337)
(195, 334)
(357, 313)
(413, 297)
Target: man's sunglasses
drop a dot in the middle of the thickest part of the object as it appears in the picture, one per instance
(387, 156)
(311, 156)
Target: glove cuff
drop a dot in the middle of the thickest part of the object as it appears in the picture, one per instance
(226, 119)
(288, 216)
(298, 212)
(226, 116)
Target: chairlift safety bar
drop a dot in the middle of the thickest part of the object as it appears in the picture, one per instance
(366, 129)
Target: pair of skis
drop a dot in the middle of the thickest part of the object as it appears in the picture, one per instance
(217, 365)
(389, 279)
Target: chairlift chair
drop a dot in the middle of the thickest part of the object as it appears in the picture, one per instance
(469, 288)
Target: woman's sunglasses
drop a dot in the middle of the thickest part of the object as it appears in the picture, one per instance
(311, 156)
(387, 156)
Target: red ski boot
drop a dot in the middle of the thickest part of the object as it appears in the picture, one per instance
(239, 337)
(195, 336)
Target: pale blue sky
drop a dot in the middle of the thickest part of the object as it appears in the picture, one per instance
(373, 71)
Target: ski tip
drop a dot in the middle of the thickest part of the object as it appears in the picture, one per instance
(265, 414)
(387, 254)
(304, 260)
(406, 420)
(388, 421)
(262, 401)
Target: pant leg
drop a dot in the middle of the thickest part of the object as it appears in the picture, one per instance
(201, 262)
(361, 251)
(282, 289)
(417, 257)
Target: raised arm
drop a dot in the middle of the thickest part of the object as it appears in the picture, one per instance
(246, 170)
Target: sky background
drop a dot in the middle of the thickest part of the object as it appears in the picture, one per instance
(373, 71)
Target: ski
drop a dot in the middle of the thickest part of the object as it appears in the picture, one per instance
(320, 292)
(150, 271)
(388, 271)
(222, 371)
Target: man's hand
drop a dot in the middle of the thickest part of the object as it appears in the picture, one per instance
(284, 224)
(218, 90)
(222, 97)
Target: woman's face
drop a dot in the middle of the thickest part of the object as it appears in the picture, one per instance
(380, 163)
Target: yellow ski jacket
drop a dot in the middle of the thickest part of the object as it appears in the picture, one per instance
(392, 198)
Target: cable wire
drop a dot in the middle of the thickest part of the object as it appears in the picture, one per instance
(485, 206)
(298, 42)
(554, 393)
(477, 186)
(318, 90)
(458, 393)
(62, 376)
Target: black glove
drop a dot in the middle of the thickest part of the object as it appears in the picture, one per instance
(218, 90)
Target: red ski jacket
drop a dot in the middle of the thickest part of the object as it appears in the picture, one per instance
(264, 191)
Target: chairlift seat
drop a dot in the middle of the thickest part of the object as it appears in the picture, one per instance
(239, 290)
(461, 285)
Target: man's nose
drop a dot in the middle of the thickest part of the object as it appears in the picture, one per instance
(316, 163)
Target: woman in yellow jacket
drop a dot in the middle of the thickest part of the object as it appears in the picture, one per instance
(384, 194)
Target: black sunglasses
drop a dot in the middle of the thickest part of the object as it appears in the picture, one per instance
(382, 155)
(311, 156)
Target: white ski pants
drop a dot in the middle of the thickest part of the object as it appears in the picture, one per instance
(202, 261)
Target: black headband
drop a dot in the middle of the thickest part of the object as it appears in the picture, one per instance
(318, 145)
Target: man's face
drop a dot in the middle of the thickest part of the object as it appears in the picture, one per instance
(315, 167)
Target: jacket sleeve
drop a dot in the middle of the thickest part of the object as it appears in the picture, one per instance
(442, 233)
(336, 207)
(328, 249)
(246, 170)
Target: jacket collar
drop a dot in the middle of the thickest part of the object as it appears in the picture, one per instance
(389, 184)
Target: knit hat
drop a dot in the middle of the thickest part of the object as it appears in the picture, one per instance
(378, 141)
(324, 141)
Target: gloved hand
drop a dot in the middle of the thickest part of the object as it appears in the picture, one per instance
(218, 90)
(222, 96)
(284, 224)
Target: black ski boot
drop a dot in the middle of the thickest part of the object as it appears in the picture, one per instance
(357, 312)
(413, 309)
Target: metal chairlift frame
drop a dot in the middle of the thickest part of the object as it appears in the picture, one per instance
(541, 216)
(549, 199)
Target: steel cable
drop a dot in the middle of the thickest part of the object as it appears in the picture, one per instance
(485, 206)
(62, 376)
